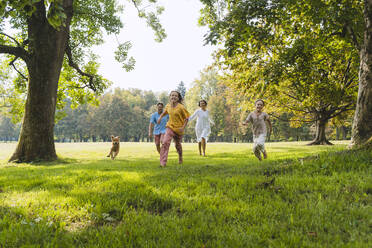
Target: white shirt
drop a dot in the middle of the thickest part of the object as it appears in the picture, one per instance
(202, 127)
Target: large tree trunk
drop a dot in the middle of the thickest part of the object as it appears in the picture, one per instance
(362, 125)
(47, 47)
(320, 137)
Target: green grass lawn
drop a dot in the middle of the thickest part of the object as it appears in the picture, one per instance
(301, 196)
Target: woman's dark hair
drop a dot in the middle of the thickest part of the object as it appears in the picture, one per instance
(202, 101)
(259, 100)
(180, 99)
(160, 103)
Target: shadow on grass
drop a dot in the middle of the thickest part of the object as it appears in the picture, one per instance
(91, 195)
(66, 174)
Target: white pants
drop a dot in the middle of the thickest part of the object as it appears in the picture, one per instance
(259, 144)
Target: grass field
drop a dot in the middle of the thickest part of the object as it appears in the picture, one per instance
(301, 196)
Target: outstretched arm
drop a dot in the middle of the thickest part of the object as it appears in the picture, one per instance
(161, 116)
(194, 115)
(246, 121)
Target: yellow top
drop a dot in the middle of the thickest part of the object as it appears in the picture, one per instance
(177, 117)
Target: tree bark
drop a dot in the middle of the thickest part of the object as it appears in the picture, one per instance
(344, 132)
(362, 124)
(320, 137)
(47, 47)
(338, 133)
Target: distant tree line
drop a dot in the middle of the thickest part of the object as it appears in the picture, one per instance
(126, 112)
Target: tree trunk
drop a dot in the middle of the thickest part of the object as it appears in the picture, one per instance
(362, 124)
(47, 47)
(344, 132)
(338, 133)
(320, 137)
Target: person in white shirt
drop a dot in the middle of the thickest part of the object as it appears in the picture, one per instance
(202, 127)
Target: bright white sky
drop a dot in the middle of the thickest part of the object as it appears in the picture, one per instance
(159, 66)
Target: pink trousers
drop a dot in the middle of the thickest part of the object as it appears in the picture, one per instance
(167, 139)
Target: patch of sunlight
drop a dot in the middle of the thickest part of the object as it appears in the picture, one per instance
(45, 205)
(132, 176)
(27, 199)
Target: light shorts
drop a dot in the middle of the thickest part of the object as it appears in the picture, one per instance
(259, 143)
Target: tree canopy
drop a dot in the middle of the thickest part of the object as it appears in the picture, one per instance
(302, 56)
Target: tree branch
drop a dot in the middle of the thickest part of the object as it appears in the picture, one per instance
(293, 97)
(16, 51)
(353, 37)
(15, 68)
(309, 120)
(76, 67)
(10, 37)
(136, 6)
(342, 109)
(294, 109)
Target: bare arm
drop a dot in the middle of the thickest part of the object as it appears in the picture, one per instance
(193, 116)
(246, 122)
(182, 129)
(270, 126)
(151, 126)
(161, 116)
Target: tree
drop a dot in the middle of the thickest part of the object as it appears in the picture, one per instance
(49, 35)
(362, 128)
(317, 83)
(301, 55)
(163, 97)
(181, 89)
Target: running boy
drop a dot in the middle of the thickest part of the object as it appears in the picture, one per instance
(258, 119)
(159, 129)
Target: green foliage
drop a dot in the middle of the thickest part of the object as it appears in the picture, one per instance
(121, 55)
(202, 88)
(301, 56)
(320, 197)
(229, 109)
(56, 14)
(125, 113)
(90, 20)
(12, 92)
(152, 18)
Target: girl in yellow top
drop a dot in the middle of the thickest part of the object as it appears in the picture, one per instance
(178, 118)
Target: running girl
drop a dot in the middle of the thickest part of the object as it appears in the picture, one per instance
(202, 127)
(178, 118)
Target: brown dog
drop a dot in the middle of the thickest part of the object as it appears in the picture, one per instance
(115, 147)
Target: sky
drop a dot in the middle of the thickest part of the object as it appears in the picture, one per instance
(159, 66)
